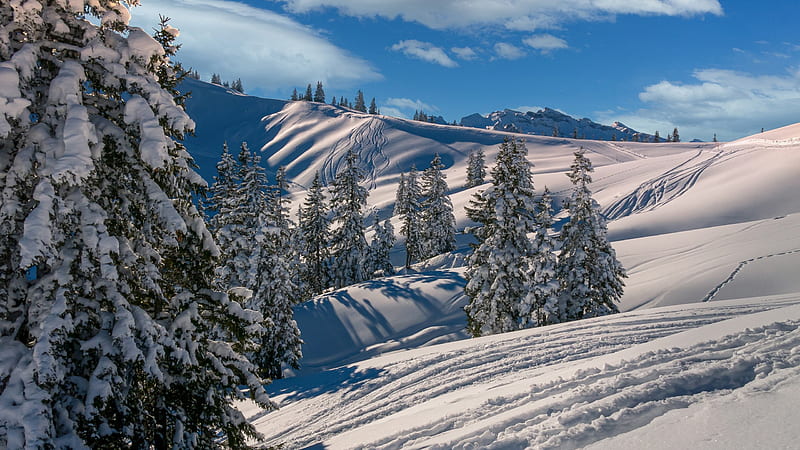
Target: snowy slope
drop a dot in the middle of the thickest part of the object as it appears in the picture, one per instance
(707, 232)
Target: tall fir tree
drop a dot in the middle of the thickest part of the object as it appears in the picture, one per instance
(498, 270)
(675, 136)
(294, 96)
(373, 107)
(113, 334)
(476, 168)
(237, 86)
(314, 230)
(438, 228)
(407, 205)
(543, 300)
(319, 93)
(309, 94)
(360, 105)
(591, 277)
(349, 249)
(215, 78)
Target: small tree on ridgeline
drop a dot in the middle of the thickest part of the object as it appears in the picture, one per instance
(675, 136)
(309, 96)
(319, 93)
(373, 107)
(360, 105)
(590, 275)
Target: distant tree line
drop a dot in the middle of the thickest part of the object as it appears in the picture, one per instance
(236, 85)
(318, 95)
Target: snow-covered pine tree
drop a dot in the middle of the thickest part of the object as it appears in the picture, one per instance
(543, 299)
(319, 93)
(360, 104)
(314, 231)
(407, 205)
(349, 248)
(498, 270)
(438, 228)
(476, 168)
(275, 290)
(590, 275)
(382, 243)
(113, 335)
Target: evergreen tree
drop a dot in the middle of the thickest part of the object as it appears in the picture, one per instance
(348, 245)
(381, 245)
(237, 86)
(575, 133)
(333, 101)
(276, 290)
(498, 270)
(555, 132)
(294, 96)
(407, 206)
(715, 138)
(476, 168)
(438, 223)
(656, 137)
(319, 93)
(675, 136)
(215, 78)
(588, 270)
(542, 300)
(309, 96)
(118, 339)
(373, 107)
(359, 104)
(314, 229)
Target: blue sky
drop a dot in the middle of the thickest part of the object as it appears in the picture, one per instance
(705, 66)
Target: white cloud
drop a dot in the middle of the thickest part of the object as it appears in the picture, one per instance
(514, 14)
(263, 48)
(405, 107)
(424, 51)
(729, 103)
(465, 53)
(504, 50)
(545, 42)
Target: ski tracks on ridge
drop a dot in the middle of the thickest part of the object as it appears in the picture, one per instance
(367, 140)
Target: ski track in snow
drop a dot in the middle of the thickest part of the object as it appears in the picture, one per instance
(367, 140)
(739, 268)
(560, 413)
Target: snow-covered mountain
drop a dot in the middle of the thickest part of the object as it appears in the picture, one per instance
(705, 353)
(547, 122)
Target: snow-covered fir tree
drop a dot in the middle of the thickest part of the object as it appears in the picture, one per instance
(476, 168)
(275, 290)
(314, 230)
(349, 248)
(112, 333)
(380, 263)
(543, 298)
(407, 205)
(498, 270)
(438, 228)
(591, 277)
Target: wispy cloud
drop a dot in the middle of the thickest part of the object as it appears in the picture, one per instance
(405, 107)
(513, 14)
(465, 53)
(545, 43)
(263, 48)
(504, 50)
(726, 102)
(424, 51)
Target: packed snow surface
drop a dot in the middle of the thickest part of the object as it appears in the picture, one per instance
(705, 355)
